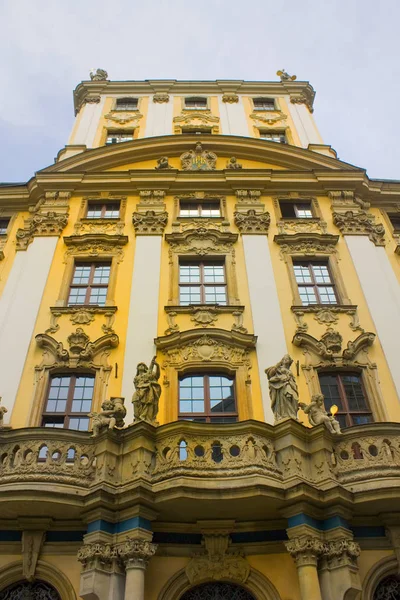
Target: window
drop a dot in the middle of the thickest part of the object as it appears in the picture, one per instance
(196, 103)
(116, 137)
(347, 392)
(89, 284)
(314, 283)
(4, 223)
(274, 136)
(196, 130)
(295, 210)
(126, 104)
(264, 103)
(218, 591)
(69, 400)
(97, 210)
(395, 221)
(207, 398)
(202, 283)
(209, 208)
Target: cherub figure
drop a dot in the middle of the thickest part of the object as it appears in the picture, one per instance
(162, 163)
(285, 76)
(317, 414)
(232, 163)
(148, 392)
(98, 75)
(3, 411)
(112, 415)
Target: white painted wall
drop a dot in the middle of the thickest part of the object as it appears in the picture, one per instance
(88, 123)
(233, 118)
(304, 124)
(94, 123)
(159, 118)
(382, 293)
(143, 312)
(267, 317)
(19, 306)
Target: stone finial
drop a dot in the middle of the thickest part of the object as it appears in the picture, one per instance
(285, 76)
(98, 75)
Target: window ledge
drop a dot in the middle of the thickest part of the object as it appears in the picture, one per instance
(314, 308)
(93, 308)
(187, 309)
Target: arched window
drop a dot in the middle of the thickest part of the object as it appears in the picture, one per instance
(207, 398)
(388, 589)
(217, 591)
(39, 590)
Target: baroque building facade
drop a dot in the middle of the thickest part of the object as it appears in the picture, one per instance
(207, 225)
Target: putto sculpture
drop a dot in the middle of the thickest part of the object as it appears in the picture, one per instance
(98, 75)
(317, 414)
(162, 163)
(111, 416)
(285, 76)
(148, 392)
(232, 163)
(283, 390)
(3, 411)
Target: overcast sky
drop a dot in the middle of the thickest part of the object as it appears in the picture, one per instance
(347, 49)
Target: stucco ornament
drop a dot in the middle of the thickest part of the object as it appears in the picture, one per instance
(198, 159)
(149, 222)
(111, 416)
(98, 75)
(285, 76)
(148, 392)
(283, 390)
(252, 221)
(360, 222)
(317, 414)
(162, 164)
(218, 563)
(232, 163)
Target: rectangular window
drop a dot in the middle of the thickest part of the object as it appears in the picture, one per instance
(98, 210)
(315, 283)
(205, 208)
(395, 221)
(207, 398)
(126, 104)
(264, 103)
(4, 223)
(196, 103)
(274, 136)
(202, 283)
(196, 130)
(69, 400)
(89, 284)
(116, 137)
(345, 389)
(295, 210)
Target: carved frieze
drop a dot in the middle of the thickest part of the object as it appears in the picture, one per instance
(107, 226)
(119, 117)
(252, 222)
(149, 222)
(94, 245)
(308, 244)
(82, 315)
(204, 316)
(152, 197)
(326, 315)
(233, 164)
(360, 223)
(198, 159)
(269, 118)
(286, 226)
(201, 241)
(49, 217)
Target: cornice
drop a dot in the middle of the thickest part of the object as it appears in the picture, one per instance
(173, 86)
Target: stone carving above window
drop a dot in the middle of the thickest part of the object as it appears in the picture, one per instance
(116, 118)
(330, 344)
(149, 222)
(198, 159)
(49, 217)
(360, 223)
(326, 315)
(252, 222)
(204, 316)
(196, 118)
(82, 315)
(307, 243)
(201, 241)
(271, 118)
(93, 245)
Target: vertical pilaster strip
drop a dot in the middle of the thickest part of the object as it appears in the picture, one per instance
(233, 118)
(159, 117)
(19, 307)
(306, 550)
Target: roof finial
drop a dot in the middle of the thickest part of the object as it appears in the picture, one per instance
(285, 76)
(98, 75)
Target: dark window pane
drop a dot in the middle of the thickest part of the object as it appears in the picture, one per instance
(4, 226)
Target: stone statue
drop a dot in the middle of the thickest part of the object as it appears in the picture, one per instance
(98, 75)
(285, 76)
(317, 414)
(162, 163)
(148, 392)
(283, 390)
(233, 163)
(112, 415)
(3, 411)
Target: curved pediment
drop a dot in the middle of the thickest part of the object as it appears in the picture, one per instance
(144, 153)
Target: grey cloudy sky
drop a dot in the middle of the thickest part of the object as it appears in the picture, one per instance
(347, 49)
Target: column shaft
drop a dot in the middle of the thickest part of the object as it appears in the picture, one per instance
(134, 583)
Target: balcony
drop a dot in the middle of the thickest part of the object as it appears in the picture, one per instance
(270, 467)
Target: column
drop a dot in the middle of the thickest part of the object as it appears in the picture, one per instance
(135, 555)
(149, 222)
(102, 576)
(305, 550)
(365, 240)
(253, 224)
(339, 578)
(232, 115)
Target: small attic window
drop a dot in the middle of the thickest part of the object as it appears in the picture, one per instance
(196, 103)
(264, 103)
(126, 104)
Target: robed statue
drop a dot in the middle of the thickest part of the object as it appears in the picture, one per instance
(148, 392)
(283, 390)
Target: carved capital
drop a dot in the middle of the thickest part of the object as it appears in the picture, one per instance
(49, 217)
(96, 555)
(149, 222)
(135, 554)
(305, 550)
(160, 97)
(252, 222)
(360, 222)
(306, 97)
(230, 98)
(341, 552)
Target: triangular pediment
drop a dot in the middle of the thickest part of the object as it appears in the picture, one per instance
(143, 154)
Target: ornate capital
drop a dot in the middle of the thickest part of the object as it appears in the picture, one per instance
(161, 97)
(305, 550)
(135, 554)
(149, 222)
(252, 222)
(341, 552)
(306, 97)
(96, 555)
(49, 217)
(92, 99)
(231, 98)
(248, 196)
(360, 223)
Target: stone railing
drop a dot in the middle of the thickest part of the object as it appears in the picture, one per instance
(46, 455)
